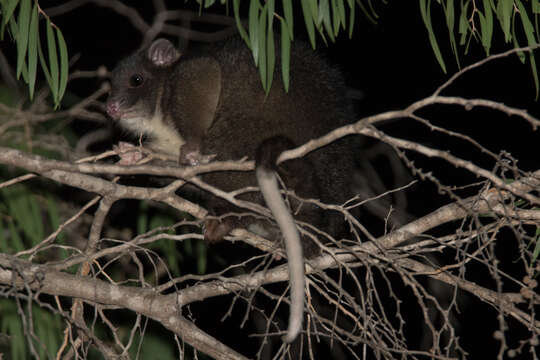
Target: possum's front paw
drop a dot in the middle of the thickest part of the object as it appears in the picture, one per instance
(190, 154)
(129, 154)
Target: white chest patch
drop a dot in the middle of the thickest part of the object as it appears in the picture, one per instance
(163, 137)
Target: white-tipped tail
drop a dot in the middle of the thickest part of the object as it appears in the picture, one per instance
(270, 189)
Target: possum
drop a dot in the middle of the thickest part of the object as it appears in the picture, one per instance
(211, 105)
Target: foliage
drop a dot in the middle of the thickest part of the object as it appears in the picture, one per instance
(21, 19)
(478, 20)
(47, 328)
(470, 20)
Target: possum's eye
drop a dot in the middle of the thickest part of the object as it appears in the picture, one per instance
(136, 80)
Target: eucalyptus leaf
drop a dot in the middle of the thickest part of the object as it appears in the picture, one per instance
(309, 20)
(43, 64)
(16, 240)
(288, 17)
(285, 55)
(463, 24)
(531, 41)
(22, 34)
(351, 20)
(366, 12)
(507, 8)
(202, 257)
(8, 8)
(342, 14)
(32, 50)
(487, 29)
(37, 234)
(239, 26)
(64, 64)
(270, 56)
(142, 218)
(336, 22)
(253, 28)
(262, 46)
(53, 60)
(536, 7)
(450, 22)
(324, 16)
(270, 50)
(54, 217)
(3, 238)
(425, 11)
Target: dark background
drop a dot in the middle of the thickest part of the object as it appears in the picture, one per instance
(392, 63)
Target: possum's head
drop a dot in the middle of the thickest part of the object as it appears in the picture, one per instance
(137, 85)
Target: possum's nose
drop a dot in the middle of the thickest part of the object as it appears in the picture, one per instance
(113, 109)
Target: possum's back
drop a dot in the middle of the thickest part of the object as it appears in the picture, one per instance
(314, 105)
(246, 116)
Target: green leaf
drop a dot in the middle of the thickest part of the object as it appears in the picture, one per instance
(288, 15)
(53, 61)
(8, 8)
(11, 325)
(335, 21)
(309, 20)
(367, 13)
(314, 9)
(463, 24)
(450, 22)
(22, 34)
(16, 241)
(536, 7)
(43, 64)
(54, 217)
(425, 11)
(239, 26)
(351, 20)
(270, 50)
(270, 12)
(520, 54)
(531, 41)
(535, 72)
(449, 15)
(253, 28)
(3, 240)
(486, 26)
(142, 218)
(262, 45)
(37, 233)
(14, 29)
(168, 246)
(32, 50)
(285, 55)
(64, 64)
(342, 14)
(504, 12)
(324, 17)
(202, 256)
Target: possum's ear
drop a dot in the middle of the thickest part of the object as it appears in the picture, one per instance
(162, 53)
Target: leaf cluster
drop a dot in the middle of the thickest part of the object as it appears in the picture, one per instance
(21, 20)
(478, 20)
(327, 18)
